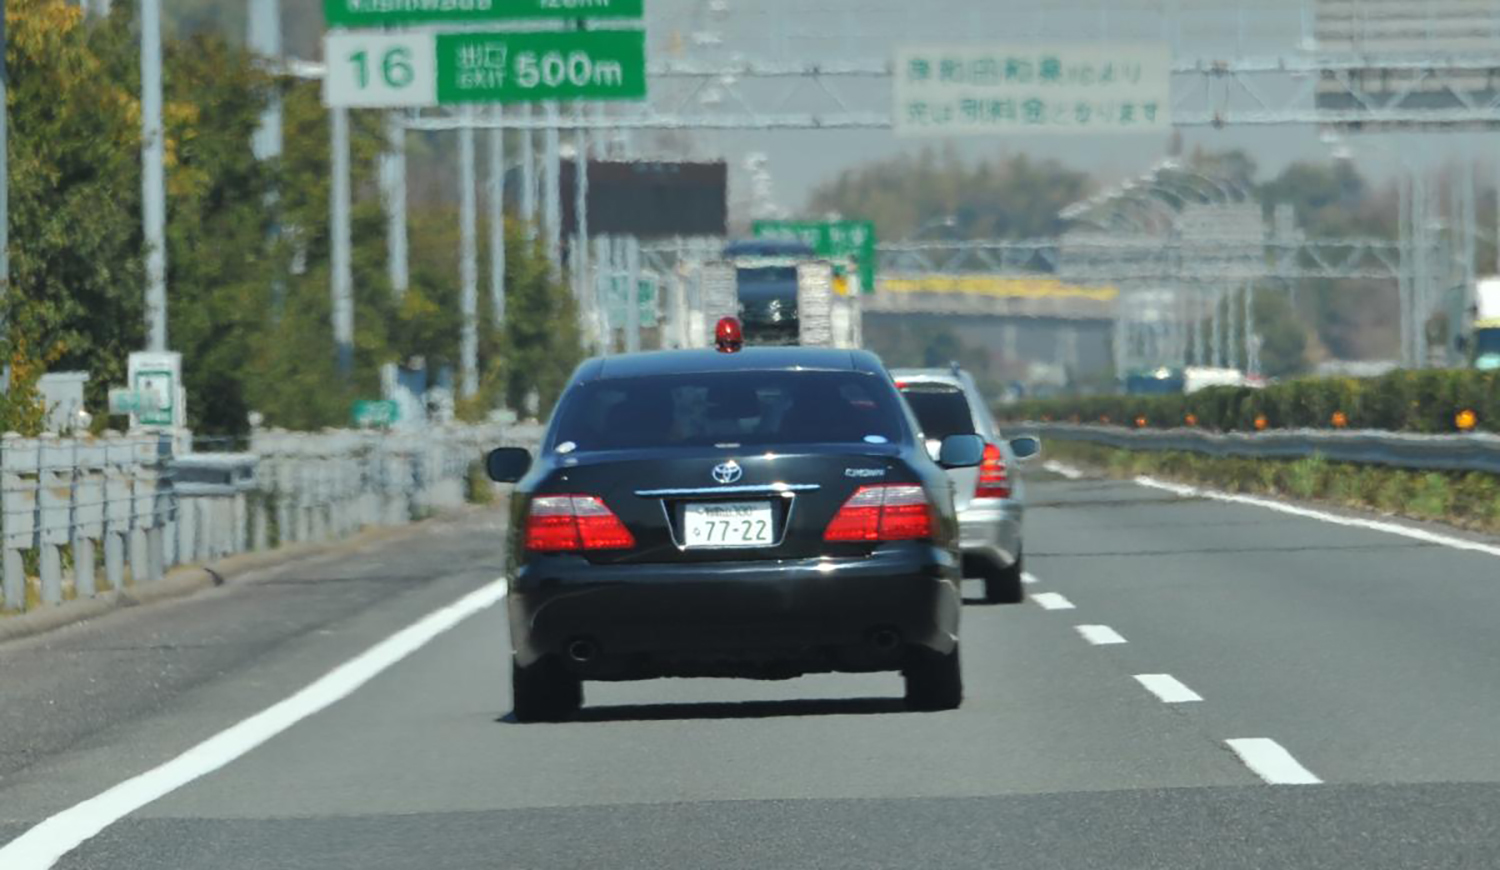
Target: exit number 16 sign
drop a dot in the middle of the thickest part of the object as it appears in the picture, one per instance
(399, 70)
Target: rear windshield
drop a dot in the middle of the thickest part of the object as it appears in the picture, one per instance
(941, 410)
(747, 408)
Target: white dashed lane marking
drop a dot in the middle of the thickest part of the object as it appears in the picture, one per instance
(1168, 688)
(1099, 635)
(1052, 601)
(1268, 760)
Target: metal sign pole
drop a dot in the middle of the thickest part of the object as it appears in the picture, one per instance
(528, 176)
(632, 294)
(393, 183)
(552, 189)
(153, 177)
(342, 284)
(468, 264)
(497, 220)
(581, 219)
(265, 40)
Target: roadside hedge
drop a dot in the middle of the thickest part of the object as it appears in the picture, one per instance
(1405, 400)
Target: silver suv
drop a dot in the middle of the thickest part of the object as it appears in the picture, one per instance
(990, 499)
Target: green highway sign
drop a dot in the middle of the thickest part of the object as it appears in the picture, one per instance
(615, 301)
(837, 240)
(396, 13)
(373, 414)
(414, 69)
(523, 67)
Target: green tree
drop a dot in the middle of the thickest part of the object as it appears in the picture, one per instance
(74, 299)
(1015, 197)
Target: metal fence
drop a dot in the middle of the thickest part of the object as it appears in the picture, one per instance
(66, 501)
(1477, 452)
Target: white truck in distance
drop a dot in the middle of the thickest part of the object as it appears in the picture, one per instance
(1485, 340)
(782, 293)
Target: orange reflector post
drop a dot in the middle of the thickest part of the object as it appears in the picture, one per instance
(1466, 421)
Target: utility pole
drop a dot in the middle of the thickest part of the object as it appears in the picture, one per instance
(153, 177)
(497, 219)
(468, 264)
(342, 284)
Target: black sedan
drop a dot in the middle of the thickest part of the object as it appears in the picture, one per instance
(763, 514)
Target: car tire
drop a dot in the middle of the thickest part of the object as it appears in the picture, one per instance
(933, 681)
(544, 692)
(1004, 586)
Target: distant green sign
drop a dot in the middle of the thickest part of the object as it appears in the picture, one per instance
(394, 13)
(376, 414)
(615, 300)
(837, 240)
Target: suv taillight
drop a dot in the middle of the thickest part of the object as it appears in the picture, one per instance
(994, 479)
(889, 512)
(569, 523)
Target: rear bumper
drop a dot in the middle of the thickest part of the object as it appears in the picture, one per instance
(990, 535)
(750, 619)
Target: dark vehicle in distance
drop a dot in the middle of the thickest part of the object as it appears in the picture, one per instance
(766, 276)
(762, 514)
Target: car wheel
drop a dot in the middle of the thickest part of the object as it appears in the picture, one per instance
(933, 681)
(1004, 586)
(544, 692)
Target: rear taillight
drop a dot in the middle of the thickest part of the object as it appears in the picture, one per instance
(994, 479)
(569, 523)
(890, 512)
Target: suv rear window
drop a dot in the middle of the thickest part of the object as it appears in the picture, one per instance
(762, 408)
(942, 410)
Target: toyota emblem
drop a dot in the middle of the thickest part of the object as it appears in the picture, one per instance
(728, 472)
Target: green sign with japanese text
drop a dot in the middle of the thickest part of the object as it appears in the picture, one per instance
(395, 13)
(375, 69)
(370, 414)
(524, 67)
(837, 240)
(1090, 88)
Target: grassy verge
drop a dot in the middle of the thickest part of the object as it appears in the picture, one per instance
(1469, 500)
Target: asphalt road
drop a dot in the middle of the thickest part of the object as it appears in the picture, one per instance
(1365, 660)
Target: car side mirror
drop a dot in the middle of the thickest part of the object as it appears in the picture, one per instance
(961, 451)
(508, 464)
(1026, 446)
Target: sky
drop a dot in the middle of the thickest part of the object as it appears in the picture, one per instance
(830, 31)
(870, 31)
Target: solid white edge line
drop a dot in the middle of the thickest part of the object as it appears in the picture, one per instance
(1268, 760)
(1099, 635)
(43, 845)
(1052, 601)
(1307, 513)
(1168, 688)
(1067, 471)
(1029, 578)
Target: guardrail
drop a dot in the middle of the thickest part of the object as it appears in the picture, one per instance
(1475, 452)
(64, 500)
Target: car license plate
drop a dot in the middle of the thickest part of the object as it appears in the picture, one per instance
(722, 525)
